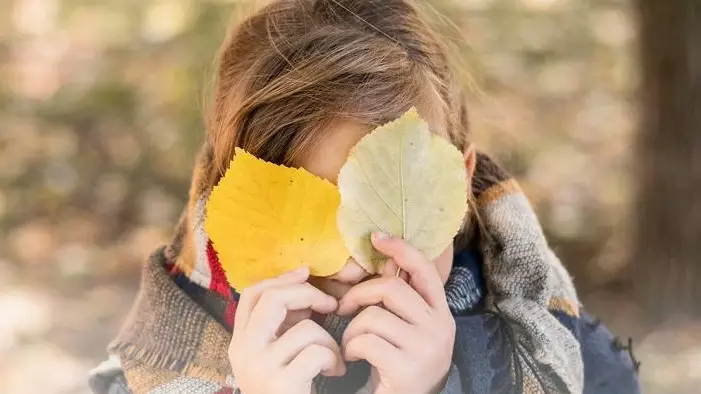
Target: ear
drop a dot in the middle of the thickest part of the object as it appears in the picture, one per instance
(470, 155)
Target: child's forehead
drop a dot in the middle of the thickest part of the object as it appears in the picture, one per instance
(328, 155)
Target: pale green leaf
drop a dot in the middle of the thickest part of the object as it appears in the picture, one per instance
(406, 181)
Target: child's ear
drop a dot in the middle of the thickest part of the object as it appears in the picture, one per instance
(470, 155)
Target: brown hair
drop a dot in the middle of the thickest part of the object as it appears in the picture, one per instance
(297, 65)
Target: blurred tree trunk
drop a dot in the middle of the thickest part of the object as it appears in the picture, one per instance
(667, 230)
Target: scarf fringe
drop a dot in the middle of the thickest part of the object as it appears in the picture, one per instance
(159, 361)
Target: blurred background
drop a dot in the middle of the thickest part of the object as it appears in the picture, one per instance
(595, 105)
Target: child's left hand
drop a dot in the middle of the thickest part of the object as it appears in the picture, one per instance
(409, 339)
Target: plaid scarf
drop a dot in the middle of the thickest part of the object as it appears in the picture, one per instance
(177, 335)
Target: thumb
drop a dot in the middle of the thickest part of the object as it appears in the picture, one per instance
(405, 256)
(423, 274)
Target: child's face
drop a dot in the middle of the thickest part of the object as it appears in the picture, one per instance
(326, 161)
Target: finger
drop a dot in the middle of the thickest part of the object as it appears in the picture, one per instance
(377, 351)
(273, 305)
(292, 318)
(249, 296)
(338, 284)
(331, 287)
(392, 269)
(380, 322)
(423, 273)
(395, 294)
(297, 338)
(351, 273)
(312, 361)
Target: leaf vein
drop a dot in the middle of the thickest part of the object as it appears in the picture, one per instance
(377, 192)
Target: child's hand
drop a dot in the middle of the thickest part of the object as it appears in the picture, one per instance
(265, 357)
(409, 339)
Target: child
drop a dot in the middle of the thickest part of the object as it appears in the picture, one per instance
(299, 84)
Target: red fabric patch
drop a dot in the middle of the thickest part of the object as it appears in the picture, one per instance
(230, 314)
(219, 283)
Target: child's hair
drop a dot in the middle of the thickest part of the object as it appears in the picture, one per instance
(298, 65)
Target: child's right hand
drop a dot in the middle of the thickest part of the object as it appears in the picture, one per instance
(268, 358)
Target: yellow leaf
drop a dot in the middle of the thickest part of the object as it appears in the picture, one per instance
(265, 219)
(406, 181)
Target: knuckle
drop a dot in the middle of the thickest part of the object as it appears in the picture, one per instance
(309, 287)
(365, 340)
(308, 325)
(351, 344)
(247, 294)
(312, 351)
(372, 311)
(320, 353)
(312, 293)
(303, 287)
(252, 293)
(270, 298)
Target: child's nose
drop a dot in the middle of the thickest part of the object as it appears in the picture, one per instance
(351, 273)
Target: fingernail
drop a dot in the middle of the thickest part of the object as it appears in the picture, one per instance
(381, 236)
